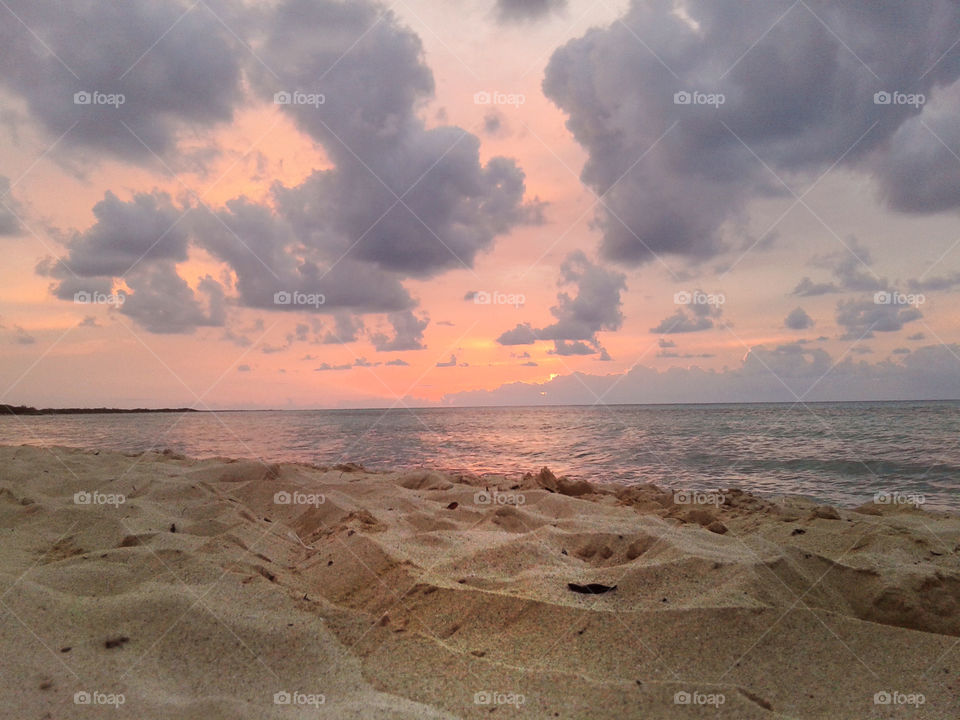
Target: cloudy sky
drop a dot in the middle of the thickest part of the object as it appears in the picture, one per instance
(314, 203)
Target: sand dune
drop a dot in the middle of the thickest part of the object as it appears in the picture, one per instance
(230, 589)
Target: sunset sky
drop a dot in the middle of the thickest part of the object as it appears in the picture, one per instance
(476, 202)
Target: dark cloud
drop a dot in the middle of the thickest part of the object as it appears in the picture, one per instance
(22, 337)
(9, 210)
(511, 11)
(798, 319)
(917, 336)
(399, 362)
(407, 333)
(597, 307)
(692, 317)
(177, 66)
(162, 301)
(243, 368)
(452, 362)
(529, 363)
(861, 318)
(901, 351)
(797, 100)
(347, 328)
(88, 321)
(937, 282)
(765, 375)
(851, 268)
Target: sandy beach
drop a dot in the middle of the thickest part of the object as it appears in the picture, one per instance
(157, 586)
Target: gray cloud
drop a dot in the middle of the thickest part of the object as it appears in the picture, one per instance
(9, 210)
(162, 302)
(596, 307)
(407, 333)
(799, 98)
(765, 375)
(174, 68)
(400, 201)
(511, 11)
(798, 319)
(861, 318)
(452, 362)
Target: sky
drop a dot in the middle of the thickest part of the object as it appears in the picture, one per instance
(314, 203)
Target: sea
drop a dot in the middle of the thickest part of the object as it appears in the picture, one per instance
(844, 453)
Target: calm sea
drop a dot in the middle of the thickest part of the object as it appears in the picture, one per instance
(842, 453)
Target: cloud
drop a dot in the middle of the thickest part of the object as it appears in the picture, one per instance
(529, 363)
(347, 328)
(797, 101)
(860, 318)
(937, 282)
(693, 317)
(176, 66)
(798, 319)
(399, 362)
(22, 337)
(512, 11)
(452, 362)
(765, 375)
(596, 307)
(243, 368)
(162, 301)
(407, 333)
(398, 200)
(851, 269)
(9, 210)
(88, 321)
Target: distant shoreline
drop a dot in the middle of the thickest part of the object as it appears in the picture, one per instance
(26, 410)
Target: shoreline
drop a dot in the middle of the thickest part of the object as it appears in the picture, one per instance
(228, 587)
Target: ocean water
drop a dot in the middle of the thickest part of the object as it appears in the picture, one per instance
(841, 453)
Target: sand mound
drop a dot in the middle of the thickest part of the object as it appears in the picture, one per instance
(233, 589)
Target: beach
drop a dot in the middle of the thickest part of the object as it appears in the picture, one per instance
(151, 585)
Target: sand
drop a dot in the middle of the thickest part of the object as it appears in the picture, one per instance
(191, 589)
